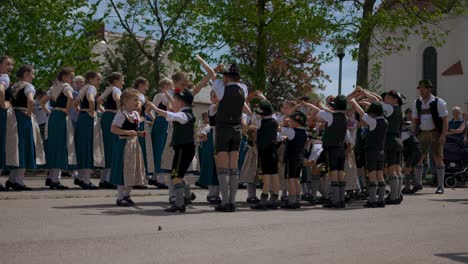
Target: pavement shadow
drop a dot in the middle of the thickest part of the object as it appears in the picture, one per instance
(461, 201)
(458, 257)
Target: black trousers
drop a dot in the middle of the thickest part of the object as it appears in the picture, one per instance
(182, 159)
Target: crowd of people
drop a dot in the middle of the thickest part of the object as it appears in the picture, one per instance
(350, 146)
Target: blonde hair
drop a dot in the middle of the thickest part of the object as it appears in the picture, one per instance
(127, 94)
(164, 82)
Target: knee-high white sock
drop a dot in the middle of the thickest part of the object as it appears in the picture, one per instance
(216, 190)
(223, 178)
(210, 190)
(187, 191)
(54, 175)
(20, 176)
(120, 192)
(171, 187)
(233, 184)
(127, 191)
(440, 176)
(12, 176)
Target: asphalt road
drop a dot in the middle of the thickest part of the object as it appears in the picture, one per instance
(76, 226)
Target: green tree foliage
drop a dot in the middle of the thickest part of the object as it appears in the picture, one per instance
(49, 34)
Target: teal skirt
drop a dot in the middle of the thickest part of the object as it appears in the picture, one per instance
(84, 134)
(56, 145)
(208, 175)
(3, 117)
(159, 138)
(26, 146)
(109, 138)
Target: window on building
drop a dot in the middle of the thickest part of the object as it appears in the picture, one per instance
(430, 67)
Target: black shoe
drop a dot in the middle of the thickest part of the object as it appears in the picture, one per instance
(140, 187)
(107, 185)
(230, 207)
(322, 200)
(401, 198)
(305, 197)
(152, 182)
(312, 201)
(80, 183)
(172, 200)
(15, 186)
(329, 204)
(416, 189)
(253, 200)
(220, 208)
(284, 198)
(2, 189)
(288, 205)
(213, 199)
(439, 190)
(174, 208)
(370, 204)
(58, 186)
(218, 200)
(193, 196)
(122, 202)
(340, 205)
(89, 186)
(48, 182)
(381, 204)
(406, 191)
(272, 206)
(129, 200)
(161, 186)
(259, 206)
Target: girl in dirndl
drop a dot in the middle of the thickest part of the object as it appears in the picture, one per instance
(111, 100)
(128, 167)
(21, 139)
(88, 142)
(6, 66)
(208, 175)
(59, 144)
(159, 132)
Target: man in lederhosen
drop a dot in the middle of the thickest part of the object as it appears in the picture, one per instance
(430, 124)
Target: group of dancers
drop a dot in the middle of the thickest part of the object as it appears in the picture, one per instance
(352, 143)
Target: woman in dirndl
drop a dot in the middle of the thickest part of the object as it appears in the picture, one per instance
(21, 143)
(111, 100)
(60, 143)
(6, 66)
(88, 141)
(128, 167)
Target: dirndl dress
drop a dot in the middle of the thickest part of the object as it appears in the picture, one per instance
(110, 139)
(208, 174)
(159, 138)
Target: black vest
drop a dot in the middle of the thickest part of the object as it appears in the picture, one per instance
(295, 147)
(438, 123)
(20, 100)
(109, 103)
(184, 133)
(360, 143)
(60, 102)
(231, 105)
(395, 121)
(375, 139)
(129, 125)
(212, 120)
(84, 104)
(334, 135)
(267, 135)
(8, 95)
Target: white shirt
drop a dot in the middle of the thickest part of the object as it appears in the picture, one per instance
(218, 86)
(372, 122)
(211, 110)
(290, 133)
(66, 88)
(315, 152)
(388, 109)
(256, 120)
(5, 80)
(121, 116)
(142, 98)
(29, 89)
(326, 116)
(427, 123)
(179, 117)
(405, 135)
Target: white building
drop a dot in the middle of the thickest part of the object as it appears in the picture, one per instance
(442, 65)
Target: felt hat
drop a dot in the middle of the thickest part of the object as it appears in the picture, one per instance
(394, 94)
(185, 95)
(265, 108)
(299, 117)
(425, 83)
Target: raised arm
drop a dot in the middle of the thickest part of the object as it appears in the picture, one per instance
(357, 107)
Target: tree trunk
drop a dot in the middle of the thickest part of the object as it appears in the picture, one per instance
(364, 36)
(261, 52)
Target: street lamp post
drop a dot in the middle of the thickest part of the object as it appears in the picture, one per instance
(340, 53)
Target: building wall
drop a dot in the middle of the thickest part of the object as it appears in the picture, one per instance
(402, 71)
